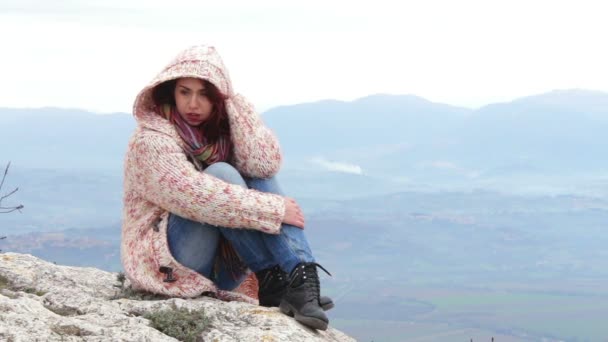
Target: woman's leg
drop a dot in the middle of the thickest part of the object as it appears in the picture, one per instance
(299, 294)
(261, 252)
(248, 243)
(290, 247)
(194, 245)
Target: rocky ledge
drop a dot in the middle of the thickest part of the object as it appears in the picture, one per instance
(41, 301)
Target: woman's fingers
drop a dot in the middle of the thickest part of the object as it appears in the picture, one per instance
(300, 215)
(298, 221)
(293, 213)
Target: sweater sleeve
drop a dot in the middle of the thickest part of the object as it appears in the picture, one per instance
(256, 149)
(159, 171)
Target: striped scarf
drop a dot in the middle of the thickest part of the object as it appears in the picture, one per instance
(196, 142)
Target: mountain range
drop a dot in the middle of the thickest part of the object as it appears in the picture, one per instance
(380, 135)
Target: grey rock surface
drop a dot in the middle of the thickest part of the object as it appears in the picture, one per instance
(41, 301)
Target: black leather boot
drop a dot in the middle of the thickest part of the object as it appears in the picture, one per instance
(302, 298)
(273, 284)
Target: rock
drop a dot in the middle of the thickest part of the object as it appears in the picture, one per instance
(41, 301)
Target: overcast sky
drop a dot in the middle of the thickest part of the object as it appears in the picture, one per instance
(98, 54)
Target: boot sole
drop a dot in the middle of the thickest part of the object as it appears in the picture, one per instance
(328, 306)
(310, 322)
(325, 307)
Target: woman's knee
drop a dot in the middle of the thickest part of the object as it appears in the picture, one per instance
(270, 185)
(193, 244)
(225, 172)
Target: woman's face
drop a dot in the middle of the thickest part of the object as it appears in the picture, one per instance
(191, 100)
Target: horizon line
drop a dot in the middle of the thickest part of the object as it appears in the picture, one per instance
(268, 108)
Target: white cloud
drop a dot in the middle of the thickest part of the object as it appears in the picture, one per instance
(338, 166)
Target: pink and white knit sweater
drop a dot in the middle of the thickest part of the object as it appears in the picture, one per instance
(158, 180)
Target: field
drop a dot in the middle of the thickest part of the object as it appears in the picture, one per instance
(435, 314)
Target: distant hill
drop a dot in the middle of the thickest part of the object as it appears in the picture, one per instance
(327, 127)
(77, 247)
(560, 131)
(55, 138)
(556, 132)
(58, 199)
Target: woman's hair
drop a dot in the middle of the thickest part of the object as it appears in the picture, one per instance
(218, 121)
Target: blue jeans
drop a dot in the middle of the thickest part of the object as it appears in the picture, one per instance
(195, 244)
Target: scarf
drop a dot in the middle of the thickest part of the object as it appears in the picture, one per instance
(196, 143)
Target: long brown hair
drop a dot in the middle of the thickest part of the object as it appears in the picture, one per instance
(216, 125)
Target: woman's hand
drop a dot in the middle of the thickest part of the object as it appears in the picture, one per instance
(293, 213)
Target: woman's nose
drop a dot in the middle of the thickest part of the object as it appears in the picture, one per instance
(193, 101)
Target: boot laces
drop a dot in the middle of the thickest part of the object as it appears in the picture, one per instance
(310, 279)
(270, 274)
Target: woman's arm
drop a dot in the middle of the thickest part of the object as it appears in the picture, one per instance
(256, 149)
(159, 171)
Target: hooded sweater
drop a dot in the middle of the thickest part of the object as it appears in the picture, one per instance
(159, 180)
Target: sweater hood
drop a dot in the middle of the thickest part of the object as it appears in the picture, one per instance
(199, 61)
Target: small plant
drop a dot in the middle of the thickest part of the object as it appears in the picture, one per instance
(4, 283)
(62, 311)
(32, 290)
(182, 324)
(129, 293)
(70, 330)
(121, 279)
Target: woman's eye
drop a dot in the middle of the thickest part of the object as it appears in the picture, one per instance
(183, 92)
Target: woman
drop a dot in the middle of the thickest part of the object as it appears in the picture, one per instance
(201, 205)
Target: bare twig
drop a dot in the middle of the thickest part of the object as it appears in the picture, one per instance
(4, 210)
(8, 210)
(5, 172)
(5, 196)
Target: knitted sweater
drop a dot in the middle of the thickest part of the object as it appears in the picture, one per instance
(159, 179)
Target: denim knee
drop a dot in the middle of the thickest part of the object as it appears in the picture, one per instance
(225, 172)
(269, 185)
(192, 243)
